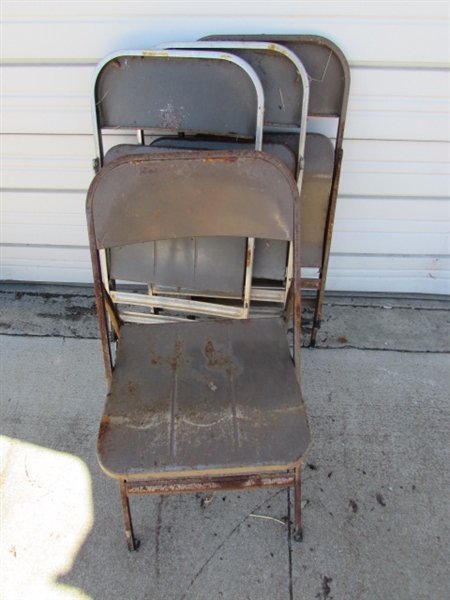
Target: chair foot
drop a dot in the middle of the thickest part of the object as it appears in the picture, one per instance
(298, 536)
(133, 543)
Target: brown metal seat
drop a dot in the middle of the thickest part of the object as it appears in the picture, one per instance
(201, 395)
(202, 389)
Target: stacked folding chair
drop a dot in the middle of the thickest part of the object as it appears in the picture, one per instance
(200, 232)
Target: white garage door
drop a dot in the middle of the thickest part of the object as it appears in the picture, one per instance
(392, 223)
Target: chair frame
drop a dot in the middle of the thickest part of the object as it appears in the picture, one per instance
(272, 477)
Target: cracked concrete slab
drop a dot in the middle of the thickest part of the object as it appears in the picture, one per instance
(376, 481)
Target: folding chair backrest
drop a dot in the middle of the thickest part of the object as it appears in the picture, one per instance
(141, 199)
(327, 68)
(281, 73)
(179, 91)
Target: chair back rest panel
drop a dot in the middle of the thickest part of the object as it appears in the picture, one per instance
(326, 65)
(283, 90)
(270, 260)
(148, 198)
(279, 76)
(210, 92)
(269, 256)
(181, 94)
(329, 75)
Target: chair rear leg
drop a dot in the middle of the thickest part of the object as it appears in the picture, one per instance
(317, 314)
(133, 543)
(327, 247)
(298, 533)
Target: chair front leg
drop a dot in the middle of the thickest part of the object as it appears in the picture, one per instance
(133, 543)
(298, 533)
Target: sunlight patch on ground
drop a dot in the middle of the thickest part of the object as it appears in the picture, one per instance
(46, 512)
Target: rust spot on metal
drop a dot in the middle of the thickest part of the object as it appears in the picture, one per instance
(115, 63)
(174, 360)
(218, 359)
(215, 159)
(249, 257)
(104, 427)
(177, 355)
(298, 312)
(236, 482)
(154, 53)
(132, 387)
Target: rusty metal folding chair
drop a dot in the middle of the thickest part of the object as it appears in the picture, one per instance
(329, 76)
(201, 396)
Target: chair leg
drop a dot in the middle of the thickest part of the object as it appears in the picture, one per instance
(133, 543)
(317, 317)
(327, 247)
(298, 533)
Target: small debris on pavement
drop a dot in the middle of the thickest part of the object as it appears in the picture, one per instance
(380, 500)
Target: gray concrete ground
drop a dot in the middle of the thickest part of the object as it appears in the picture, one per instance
(377, 514)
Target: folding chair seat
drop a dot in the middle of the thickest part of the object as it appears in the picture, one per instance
(201, 395)
(329, 77)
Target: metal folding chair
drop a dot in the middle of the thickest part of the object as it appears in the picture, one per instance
(201, 396)
(329, 77)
